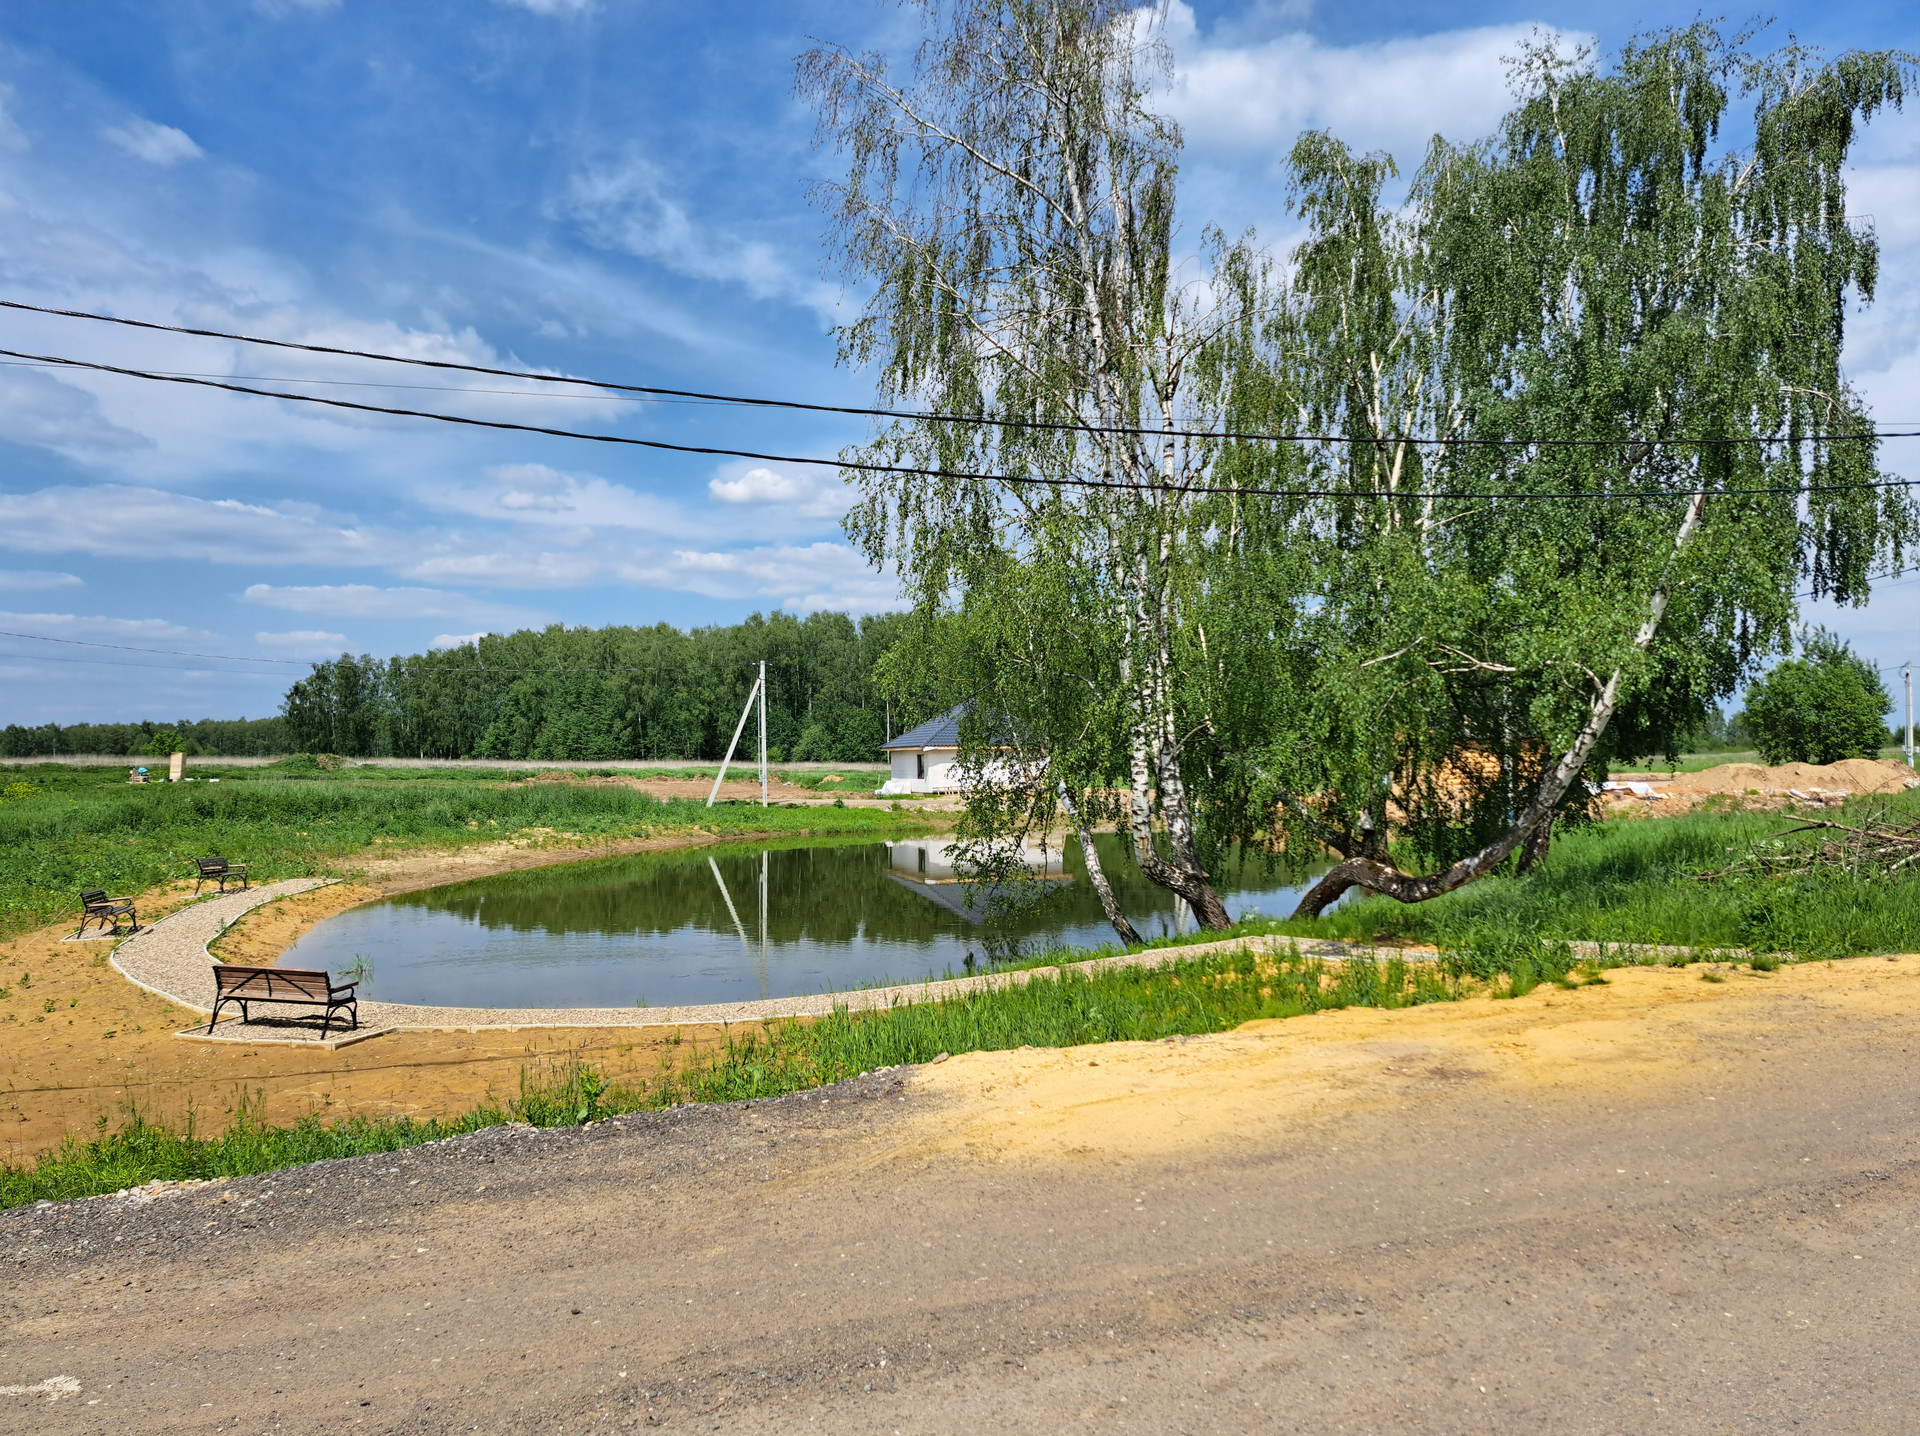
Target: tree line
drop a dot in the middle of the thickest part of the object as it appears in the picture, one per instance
(599, 694)
(217, 737)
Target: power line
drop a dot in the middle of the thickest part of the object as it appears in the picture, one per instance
(911, 471)
(918, 415)
(128, 648)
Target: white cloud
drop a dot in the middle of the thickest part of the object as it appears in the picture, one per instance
(535, 494)
(552, 7)
(153, 142)
(808, 495)
(457, 640)
(627, 206)
(304, 643)
(364, 600)
(797, 577)
(124, 521)
(68, 625)
(22, 580)
(510, 569)
(1253, 99)
(36, 408)
(286, 9)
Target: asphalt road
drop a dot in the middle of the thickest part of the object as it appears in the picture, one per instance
(1470, 1258)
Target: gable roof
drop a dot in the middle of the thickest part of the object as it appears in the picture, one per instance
(941, 732)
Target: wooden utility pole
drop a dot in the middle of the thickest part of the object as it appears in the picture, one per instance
(763, 746)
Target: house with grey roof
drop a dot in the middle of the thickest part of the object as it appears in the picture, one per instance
(925, 759)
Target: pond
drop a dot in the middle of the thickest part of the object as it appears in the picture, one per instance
(733, 923)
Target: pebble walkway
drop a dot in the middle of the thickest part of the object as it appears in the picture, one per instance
(170, 957)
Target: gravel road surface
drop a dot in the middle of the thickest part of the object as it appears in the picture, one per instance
(1732, 1247)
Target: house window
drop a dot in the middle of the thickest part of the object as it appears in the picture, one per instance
(923, 859)
(919, 765)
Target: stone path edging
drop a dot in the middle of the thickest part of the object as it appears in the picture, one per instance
(170, 958)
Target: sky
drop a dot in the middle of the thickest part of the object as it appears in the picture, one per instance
(606, 188)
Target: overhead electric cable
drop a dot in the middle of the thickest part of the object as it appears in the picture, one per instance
(128, 648)
(912, 471)
(918, 415)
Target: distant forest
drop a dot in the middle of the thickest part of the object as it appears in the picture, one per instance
(221, 737)
(573, 694)
(593, 694)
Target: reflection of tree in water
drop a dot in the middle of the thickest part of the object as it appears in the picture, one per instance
(816, 892)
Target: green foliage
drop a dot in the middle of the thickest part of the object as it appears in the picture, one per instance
(596, 694)
(87, 827)
(1826, 705)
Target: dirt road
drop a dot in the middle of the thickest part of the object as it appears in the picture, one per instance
(1664, 1204)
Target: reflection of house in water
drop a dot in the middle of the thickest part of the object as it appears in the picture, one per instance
(926, 866)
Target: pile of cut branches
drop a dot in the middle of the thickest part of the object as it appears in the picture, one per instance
(1876, 846)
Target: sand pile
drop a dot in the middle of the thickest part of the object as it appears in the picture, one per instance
(1756, 785)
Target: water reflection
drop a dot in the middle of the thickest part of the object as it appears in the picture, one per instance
(736, 922)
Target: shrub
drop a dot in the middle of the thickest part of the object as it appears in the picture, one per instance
(1824, 706)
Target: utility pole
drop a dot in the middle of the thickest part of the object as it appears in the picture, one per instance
(763, 775)
(1909, 673)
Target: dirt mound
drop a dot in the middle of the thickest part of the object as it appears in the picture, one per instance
(1852, 776)
(1755, 785)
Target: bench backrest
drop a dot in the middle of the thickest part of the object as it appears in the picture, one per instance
(267, 982)
(93, 897)
(211, 867)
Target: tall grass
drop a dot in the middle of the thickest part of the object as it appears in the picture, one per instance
(82, 828)
(1637, 881)
(1209, 994)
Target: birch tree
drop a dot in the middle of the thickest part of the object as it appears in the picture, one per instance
(1596, 434)
(1011, 199)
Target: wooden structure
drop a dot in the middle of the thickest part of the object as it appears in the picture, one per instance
(289, 985)
(218, 869)
(96, 906)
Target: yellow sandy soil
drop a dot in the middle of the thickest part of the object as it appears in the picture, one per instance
(1754, 785)
(106, 1044)
(1646, 1026)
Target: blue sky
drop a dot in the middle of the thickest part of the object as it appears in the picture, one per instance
(605, 187)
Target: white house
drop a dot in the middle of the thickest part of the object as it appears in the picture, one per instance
(925, 759)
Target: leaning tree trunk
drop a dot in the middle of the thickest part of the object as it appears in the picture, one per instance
(1378, 876)
(1097, 875)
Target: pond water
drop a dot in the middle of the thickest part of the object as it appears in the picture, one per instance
(733, 923)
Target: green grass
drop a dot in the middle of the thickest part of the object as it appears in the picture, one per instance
(1632, 881)
(65, 829)
(1209, 994)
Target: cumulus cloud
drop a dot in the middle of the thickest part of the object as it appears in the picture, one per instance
(365, 600)
(23, 580)
(153, 142)
(808, 495)
(1254, 98)
(303, 643)
(457, 640)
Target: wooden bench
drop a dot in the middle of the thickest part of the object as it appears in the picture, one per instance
(96, 906)
(247, 985)
(219, 869)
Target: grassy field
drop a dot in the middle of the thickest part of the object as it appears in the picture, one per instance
(65, 829)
